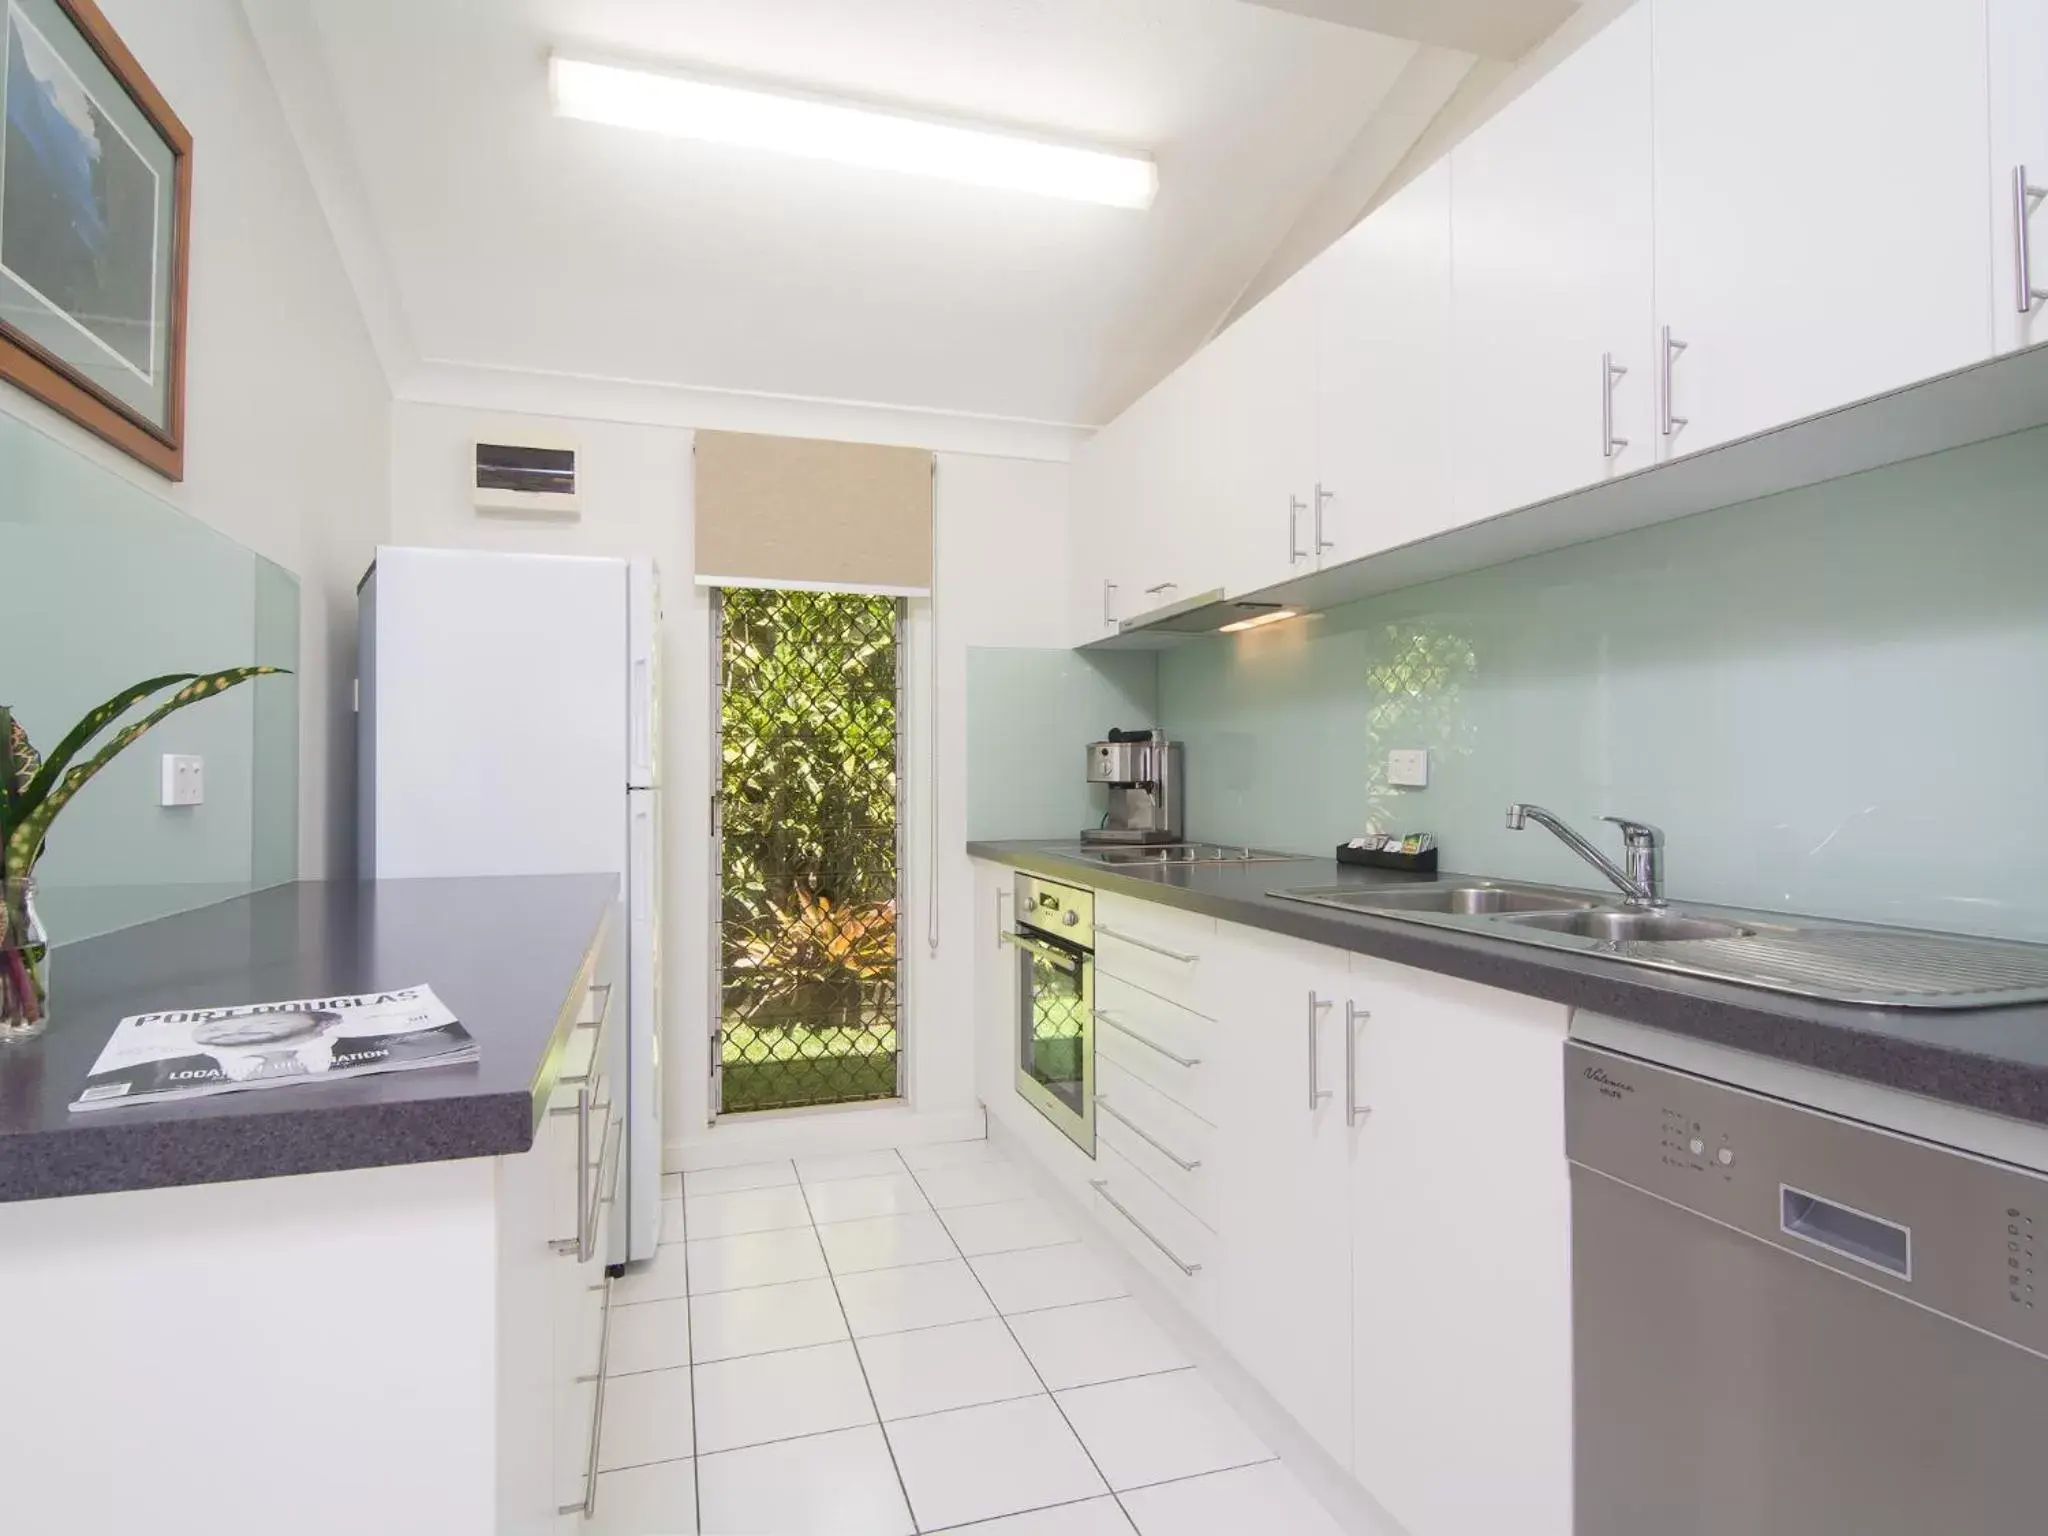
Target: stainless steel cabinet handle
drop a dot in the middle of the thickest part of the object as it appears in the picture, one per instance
(1610, 371)
(1670, 349)
(1108, 596)
(1322, 499)
(2024, 197)
(1186, 1165)
(589, 1179)
(1002, 895)
(1124, 1029)
(604, 1008)
(1164, 586)
(588, 1506)
(1295, 507)
(1043, 951)
(1101, 1187)
(1171, 954)
(1316, 1092)
(1354, 1112)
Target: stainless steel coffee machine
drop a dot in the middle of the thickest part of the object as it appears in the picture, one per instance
(1143, 772)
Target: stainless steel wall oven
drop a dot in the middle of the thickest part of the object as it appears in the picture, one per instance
(1055, 944)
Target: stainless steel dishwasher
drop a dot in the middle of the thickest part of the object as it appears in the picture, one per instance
(1789, 1323)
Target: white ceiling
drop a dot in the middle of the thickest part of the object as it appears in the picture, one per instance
(514, 240)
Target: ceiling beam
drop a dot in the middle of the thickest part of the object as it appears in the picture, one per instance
(1493, 29)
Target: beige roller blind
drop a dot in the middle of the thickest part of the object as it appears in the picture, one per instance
(799, 512)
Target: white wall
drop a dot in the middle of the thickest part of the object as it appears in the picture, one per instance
(1001, 559)
(286, 408)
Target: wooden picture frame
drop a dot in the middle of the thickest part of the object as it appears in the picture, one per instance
(34, 368)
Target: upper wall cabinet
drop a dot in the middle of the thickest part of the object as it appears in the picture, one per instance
(1822, 224)
(1383, 376)
(1256, 385)
(1551, 261)
(2019, 162)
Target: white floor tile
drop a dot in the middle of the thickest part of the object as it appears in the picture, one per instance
(934, 1369)
(661, 1278)
(1032, 1279)
(646, 1419)
(754, 1258)
(673, 1228)
(765, 1317)
(1096, 1341)
(974, 1184)
(747, 1210)
(949, 1154)
(648, 1336)
(1154, 1428)
(1266, 1497)
(671, 1186)
(1091, 1517)
(919, 1296)
(1001, 1459)
(852, 1247)
(890, 1194)
(724, 1181)
(656, 1500)
(847, 1165)
(1005, 1228)
(779, 1397)
(839, 1484)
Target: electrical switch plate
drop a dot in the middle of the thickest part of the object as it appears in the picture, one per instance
(1408, 770)
(184, 780)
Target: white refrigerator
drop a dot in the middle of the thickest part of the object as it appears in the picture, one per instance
(509, 724)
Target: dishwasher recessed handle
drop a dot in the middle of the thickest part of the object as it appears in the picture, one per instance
(1846, 1231)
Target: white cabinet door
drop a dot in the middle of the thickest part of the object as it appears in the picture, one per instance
(1257, 407)
(1551, 269)
(1461, 1259)
(1283, 1264)
(1103, 512)
(1823, 232)
(2019, 158)
(1383, 375)
(995, 983)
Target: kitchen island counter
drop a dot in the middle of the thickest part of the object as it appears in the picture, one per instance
(509, 956)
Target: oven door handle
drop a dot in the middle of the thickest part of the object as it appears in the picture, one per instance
(1047, 952)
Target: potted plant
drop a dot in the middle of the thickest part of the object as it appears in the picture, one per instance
(33, 789)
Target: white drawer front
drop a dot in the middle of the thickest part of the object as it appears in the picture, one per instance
(1154, 947)
(1160, 1042)
(1171, 1145)
(1154, 1229)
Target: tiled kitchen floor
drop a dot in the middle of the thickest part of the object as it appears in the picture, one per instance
(886, 1344)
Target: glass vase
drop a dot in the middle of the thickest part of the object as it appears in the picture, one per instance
(24, 964)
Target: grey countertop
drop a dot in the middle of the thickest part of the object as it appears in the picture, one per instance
(1993, 1059)
(503, 954)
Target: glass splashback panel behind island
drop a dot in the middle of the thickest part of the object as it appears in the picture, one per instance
(107, 583)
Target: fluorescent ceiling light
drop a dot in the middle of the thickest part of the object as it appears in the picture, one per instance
(1260, 621)
(724, 113)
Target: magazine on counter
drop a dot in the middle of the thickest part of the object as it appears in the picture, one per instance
(192, 1052)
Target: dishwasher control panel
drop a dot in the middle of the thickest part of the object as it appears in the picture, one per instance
(1947, 1230)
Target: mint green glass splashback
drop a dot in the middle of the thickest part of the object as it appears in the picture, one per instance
(1029, 714)
(1833, 701)
(106, 584)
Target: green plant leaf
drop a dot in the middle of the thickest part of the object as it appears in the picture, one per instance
(25, 839)
(76, 739)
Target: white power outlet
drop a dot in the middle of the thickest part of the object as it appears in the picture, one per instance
(1408, 769)
(184, 780)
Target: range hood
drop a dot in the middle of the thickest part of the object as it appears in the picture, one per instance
(1206, 613)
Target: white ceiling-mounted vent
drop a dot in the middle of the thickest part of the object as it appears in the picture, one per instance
(532, 479)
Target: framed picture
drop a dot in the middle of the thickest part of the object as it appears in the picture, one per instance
(95, 224)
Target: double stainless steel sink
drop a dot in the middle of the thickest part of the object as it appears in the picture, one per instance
(1802, 956)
